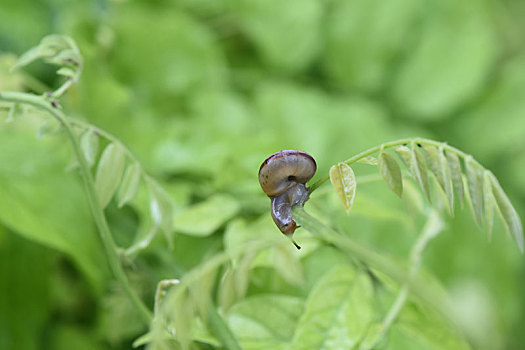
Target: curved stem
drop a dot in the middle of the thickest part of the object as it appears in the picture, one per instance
(216, 322)
(370, 151)
(432, 228)
(372, 259)
(109, 244)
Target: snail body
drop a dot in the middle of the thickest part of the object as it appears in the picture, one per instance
(282, 177)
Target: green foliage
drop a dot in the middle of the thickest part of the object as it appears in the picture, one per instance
(180, 102)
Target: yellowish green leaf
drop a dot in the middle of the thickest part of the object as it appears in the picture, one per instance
(89, 145)
(130, 184)
(109, 173)
(343, 179)
(415, 162)
(206, 217)
(447, 179)
(161, 208)
(432, 156)
(406, 156)
(456, 174)
(226, 293)
(420, 170)
(391, 173)
(489, 202)
(67, 72)
(509, 215)
(475, 186)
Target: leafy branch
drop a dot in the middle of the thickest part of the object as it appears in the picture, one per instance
(454, 171)
(111, 173)
(189, 296)
(97, 207)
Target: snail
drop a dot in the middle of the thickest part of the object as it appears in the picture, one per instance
(282, 177)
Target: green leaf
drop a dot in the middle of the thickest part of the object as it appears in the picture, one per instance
(447, 179)
(265, 321)
(27, 269)
(161, 208)
(287, 264)
(109, 172)
(89, 145)
(32, 180)
(67, 72)
(343, 179)
(475, 187)
(65, 57)
(206, 217)
(273, 26)
(456, 174)
(419, 328)
(434, 163)
(439, 167)
(415, 162)
(420, 170)
(48, 47)
(363, 37)
(489, 202)
(226, 292)
(406, 156)
(337, 313)
(370, 160)
(509, 215)
(391, 173)
(183, 313)
(435, 76)
(31, 55)
(130, 184)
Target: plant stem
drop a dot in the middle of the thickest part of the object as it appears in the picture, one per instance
(371, 258)
(109, 244)
(220, 328)
(432, 228)
(417, 140)
(216, 323)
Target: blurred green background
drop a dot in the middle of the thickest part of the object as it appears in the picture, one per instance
(202, 91)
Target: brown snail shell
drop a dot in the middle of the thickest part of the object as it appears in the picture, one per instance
(284, 169)
(282, 177)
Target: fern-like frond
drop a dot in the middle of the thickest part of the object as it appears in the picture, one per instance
(458, 175)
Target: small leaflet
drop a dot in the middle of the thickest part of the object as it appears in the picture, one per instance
(161, 208)
(391, 173)
(89, 145)
(447, 179)
(109, 173)
(456, 174)
(415, 162)
(420, 170)
(434, 163)
(475, 187)
(130, 184)
(489, 202)
(67, 72)
(508, 214)
(343, 179)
